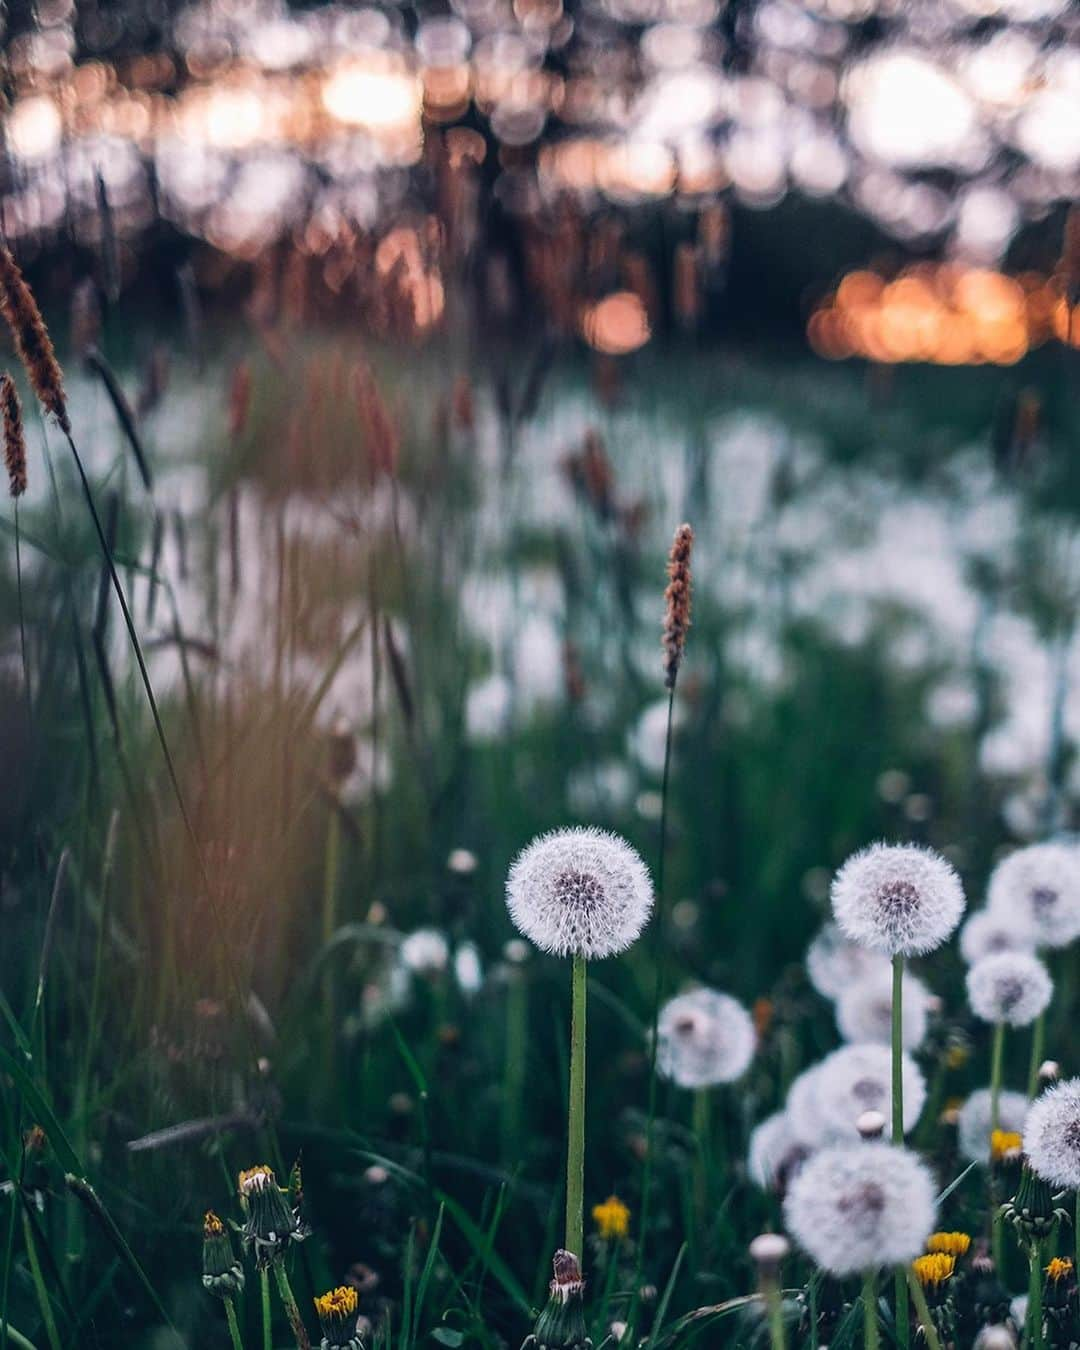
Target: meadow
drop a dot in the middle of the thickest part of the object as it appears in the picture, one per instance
(400, 604)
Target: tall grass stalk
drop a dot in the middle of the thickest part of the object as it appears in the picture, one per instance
(871, 1335)
(903, 1317)
(22, 625)
(575, 1125)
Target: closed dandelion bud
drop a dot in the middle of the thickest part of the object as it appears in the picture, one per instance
(768, 1251)
(561, 1325)
(985, 1297)
(1032, 1211)
(223, 1274)
(14, 438)
(336, 1311)
(1060, 1302)
(871, 1125)
(271, 1222)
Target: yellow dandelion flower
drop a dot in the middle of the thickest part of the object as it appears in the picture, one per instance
(1059, 1269)
(612, 1218)
(956, 1056)
(1005, 1145)
(933, 1270)
(340, 1302)
(949, 1244)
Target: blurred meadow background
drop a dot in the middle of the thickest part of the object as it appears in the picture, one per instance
(397, 342)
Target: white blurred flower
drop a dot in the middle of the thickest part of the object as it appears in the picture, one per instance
(462, 862)
(468, 970)
(425, 952)
(581, 892)
(864, 1010)
(989, 931)
(899, 899)
(648, 738)
(1039, 886)
(826, 1100)
(704, 1038)
(1052, 1135)
(1010, 987)
(775, 1154)
(833, 962)
(856, 1209)
(973, 1125)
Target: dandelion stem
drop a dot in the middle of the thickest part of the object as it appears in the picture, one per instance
(292, 1312)
(922, 1311)
(234, 1326)
(775, 1308)
(1038, 1043)
(1034, 1308)
(903, 1318)
(871, 1340)
(267, 1318)
(997, 1059)
(575, 1141)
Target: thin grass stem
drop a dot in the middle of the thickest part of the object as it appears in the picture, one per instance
(42, 1293)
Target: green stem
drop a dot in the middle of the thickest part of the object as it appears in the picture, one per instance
(922, 1311)
(17, 1338)
(1076, 1233)
(1038, 1045)
(292, 1312)
(775, 1308)
(39, 1282)
(575, 1142)
(234, 1326)
(267, 1317)
(871, 1339)
(997, 1059)
(702, 1127)
(903, 1315)
(1034, 1309)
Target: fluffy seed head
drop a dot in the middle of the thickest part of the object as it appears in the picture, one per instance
(703, 1038)
(775, 1155)
(899, 899)
(833, 962)
(14, 438)
(826, 1101)
(990, 931)
(1052, 1135)
(853, 1209)
(864, 1010)
(677, 596)
(425, 952)
(580, 892)
(32, 342)
(1011, 987)
(973, 1124)
(1038, 887)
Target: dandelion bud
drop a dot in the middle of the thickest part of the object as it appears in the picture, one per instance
(1059, 1301)
(871, 1125)
(14, 439)
(768, 1251)
(677, 595)
(32, 341)
(1032, 1210)
(995, 1336)
(271, 1222)
(223, 1274)
(1049, 1071)
(336, 1311)
(561, 1325)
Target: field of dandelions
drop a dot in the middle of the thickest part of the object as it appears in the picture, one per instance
(448, 900)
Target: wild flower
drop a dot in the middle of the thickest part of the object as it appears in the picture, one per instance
(1010, 987)
(954, 1244)
(934, 1269)
(579, 892)
(223, 1273)
(704, 1037)
(425, 952)
(973, 1123)
(561, 1324)
(988, 932)
(1052, 1135)
(271, 1222)
(898, 899)
(1039, 887)
(834, 962)
(775, 1154)
(855, 1209)
(864, 1010)
(337, 1311)
(612, 1219)
(14, 437)
(825, 1101)
(1006, 1146)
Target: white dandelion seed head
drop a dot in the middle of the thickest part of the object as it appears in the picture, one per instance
(580, 892)
(1011, 987)
(996, 1336)
(833, 961)
(853, 1209)
(775, 1155)
(425, 952)
(468, 968)
(826, 1101)
(989, 931)
(864, 1010)
(973, 1123)
(1039, 887)
(899, 899)
(704, 1037)
(1052, 1135)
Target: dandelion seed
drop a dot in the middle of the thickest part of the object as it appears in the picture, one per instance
(704, 1037)
(677, 596)
(833, 962)
(857, 1209)
(1038, 887)
(14, 438)
(989, 932)
(337, 1314)
(1011, 987)
(612, 1219)
(775, 1154)
(1052, 1135)
(32, 341)
(898, 899)
(826, 1101)
(864, 1010)
(579, 892)
(973, 1122)
(223, 1273)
